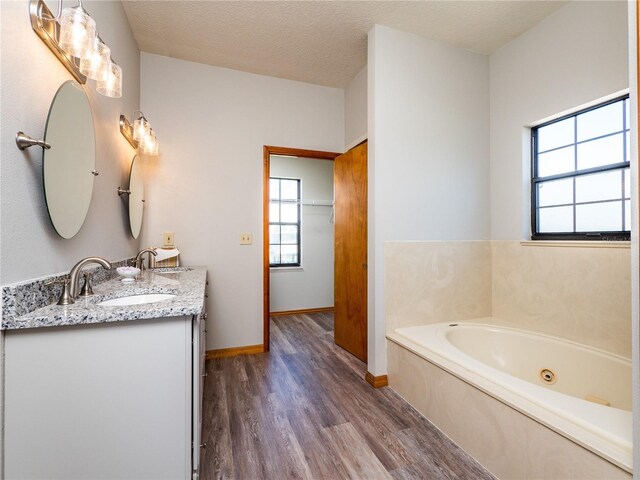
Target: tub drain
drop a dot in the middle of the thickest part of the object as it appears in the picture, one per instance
(548, 376)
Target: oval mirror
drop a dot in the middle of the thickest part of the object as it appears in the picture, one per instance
(136, 197)
(68, 167)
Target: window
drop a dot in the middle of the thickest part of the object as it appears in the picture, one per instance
(284, 222)
(580, 186)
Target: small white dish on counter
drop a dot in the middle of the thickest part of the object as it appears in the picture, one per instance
(128, 274)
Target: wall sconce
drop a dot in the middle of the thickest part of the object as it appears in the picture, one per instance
(72, 37)
(139, 134)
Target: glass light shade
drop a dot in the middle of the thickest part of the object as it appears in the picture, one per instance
(145, 144)
(77, 31)
(141, 129)
(150, 144)
(111, 84)
(96, 67)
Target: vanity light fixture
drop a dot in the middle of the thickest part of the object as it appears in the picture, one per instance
(95, 65)
(150, 144)
(72, 37)
(139, 134)
(110, 85)
(77, 31)
(141, 127)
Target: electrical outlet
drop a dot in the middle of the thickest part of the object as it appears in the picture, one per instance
(168, 239)
(245, 239)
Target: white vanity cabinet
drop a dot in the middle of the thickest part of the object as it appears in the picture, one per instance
(103, 401)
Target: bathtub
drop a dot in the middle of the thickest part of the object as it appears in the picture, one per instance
(581, 393)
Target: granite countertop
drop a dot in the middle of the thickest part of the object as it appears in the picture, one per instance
(187, 283)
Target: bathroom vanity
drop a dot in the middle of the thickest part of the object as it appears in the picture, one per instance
(99, 391)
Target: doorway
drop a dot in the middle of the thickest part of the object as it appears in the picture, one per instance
(290, 258)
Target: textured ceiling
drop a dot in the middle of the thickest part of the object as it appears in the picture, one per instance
(321, 42)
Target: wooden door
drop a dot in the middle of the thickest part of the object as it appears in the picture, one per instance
(350, 263)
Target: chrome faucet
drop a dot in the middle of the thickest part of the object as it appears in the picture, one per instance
(140, 260)
(74, 274)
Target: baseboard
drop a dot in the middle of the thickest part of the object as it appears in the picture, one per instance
(376, 382)
(299, 312)
(233, 351)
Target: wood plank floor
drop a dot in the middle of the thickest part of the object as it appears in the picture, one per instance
(304, 410)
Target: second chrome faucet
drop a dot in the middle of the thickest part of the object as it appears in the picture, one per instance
(140, 260)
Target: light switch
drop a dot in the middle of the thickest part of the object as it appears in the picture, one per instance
(168, 240)
(245, 239)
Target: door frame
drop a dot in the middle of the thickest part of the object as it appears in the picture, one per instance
(267, 151)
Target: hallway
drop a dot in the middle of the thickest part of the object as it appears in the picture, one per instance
(304, 410)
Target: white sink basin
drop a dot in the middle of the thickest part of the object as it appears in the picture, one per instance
(137, 299)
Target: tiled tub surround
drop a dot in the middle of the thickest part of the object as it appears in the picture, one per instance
(187, 284)
(579, 293)
(431, 282)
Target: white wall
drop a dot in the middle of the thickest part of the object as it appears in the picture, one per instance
(310, 286)
(206, 184)
(355, 110)
(575, 56)
(31, 75)
(428, 121)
